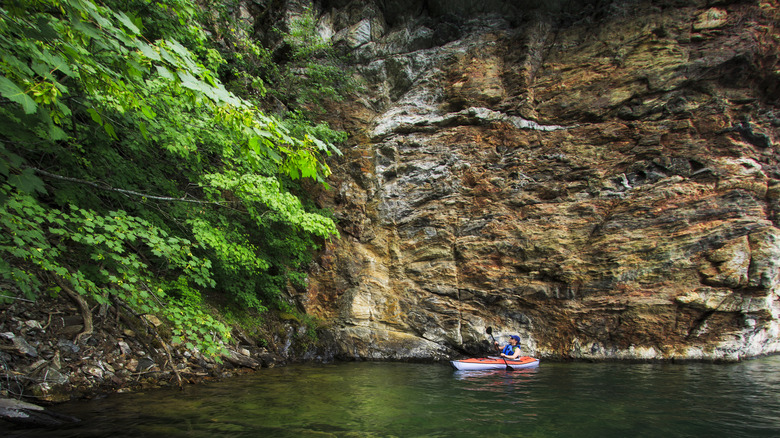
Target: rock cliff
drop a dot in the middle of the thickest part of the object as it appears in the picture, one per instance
(598, 177)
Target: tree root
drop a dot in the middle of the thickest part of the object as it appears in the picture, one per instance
(48, 322)
(86, 313)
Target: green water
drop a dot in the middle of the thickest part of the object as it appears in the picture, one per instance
(432, 400)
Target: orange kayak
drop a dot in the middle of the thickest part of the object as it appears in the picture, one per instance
(493, 363)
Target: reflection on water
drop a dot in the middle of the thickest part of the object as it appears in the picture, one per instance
(407, 400)
(491, 376)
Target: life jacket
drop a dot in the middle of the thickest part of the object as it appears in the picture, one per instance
(509, 349)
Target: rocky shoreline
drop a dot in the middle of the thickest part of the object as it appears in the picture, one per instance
(44, 358)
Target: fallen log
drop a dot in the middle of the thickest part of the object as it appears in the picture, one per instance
(239, 359)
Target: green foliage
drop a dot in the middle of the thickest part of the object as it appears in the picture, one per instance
(249, 322)
(105, 257)
(302, 70)
(129, 171)
(313, 70)
(304, 338)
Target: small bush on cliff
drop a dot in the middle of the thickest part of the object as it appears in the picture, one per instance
(299, 71)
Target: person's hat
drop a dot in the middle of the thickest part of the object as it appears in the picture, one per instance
(516, 338)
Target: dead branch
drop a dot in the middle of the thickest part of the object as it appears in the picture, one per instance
(123, 191)
(16, 298)
(150, 328)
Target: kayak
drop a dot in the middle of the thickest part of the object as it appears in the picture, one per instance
(493, 363)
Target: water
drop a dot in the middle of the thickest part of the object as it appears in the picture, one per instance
(430, 400)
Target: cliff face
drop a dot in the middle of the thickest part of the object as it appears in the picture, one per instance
(598, 177)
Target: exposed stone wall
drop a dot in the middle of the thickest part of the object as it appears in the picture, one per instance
(599, 177)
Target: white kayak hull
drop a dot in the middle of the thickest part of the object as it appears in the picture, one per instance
(493, 363)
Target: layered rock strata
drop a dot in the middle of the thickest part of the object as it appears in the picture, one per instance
(600, 178)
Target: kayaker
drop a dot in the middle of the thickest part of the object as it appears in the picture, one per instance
(512, 349)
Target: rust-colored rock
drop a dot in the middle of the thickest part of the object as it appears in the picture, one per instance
(603, 182)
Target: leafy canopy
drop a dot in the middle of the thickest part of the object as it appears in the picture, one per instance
(129, 171)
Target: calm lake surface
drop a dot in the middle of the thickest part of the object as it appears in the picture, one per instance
(369, 399)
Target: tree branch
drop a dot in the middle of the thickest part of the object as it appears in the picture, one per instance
(123, 191)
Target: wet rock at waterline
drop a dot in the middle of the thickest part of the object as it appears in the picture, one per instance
(31, 415)
(601, 179)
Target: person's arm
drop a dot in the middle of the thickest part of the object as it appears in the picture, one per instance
(516, 354)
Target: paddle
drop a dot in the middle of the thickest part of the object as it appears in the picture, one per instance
(489, 331)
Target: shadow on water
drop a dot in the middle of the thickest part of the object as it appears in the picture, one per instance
(422, 400)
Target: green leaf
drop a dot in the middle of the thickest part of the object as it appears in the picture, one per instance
(42, 70)
(137, 70)
(124, 19)
(148, 112)
(12, 92)
(148, 51)
(274, 155)
(45, 31)
(178, 48)
(95, 14)
(20, 67)
(191, 82)
(164, 72)
(144, 132)
(110, 130)
(168, 57)
(95, 116)
(56, 133)
(254, 144)
(57, 62)
(223, 95)
(27, 182)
